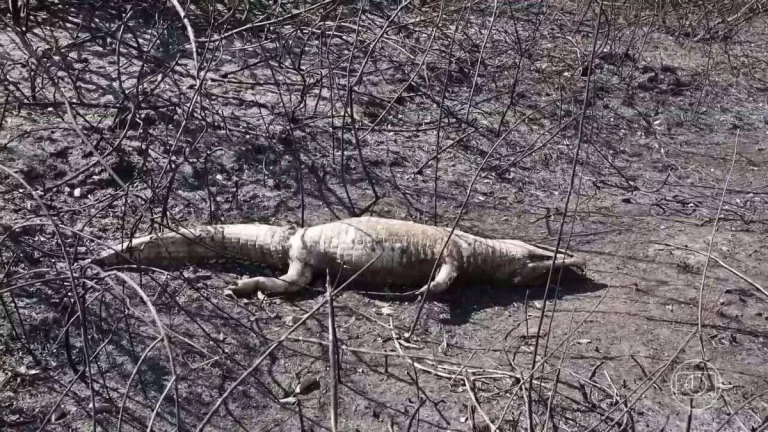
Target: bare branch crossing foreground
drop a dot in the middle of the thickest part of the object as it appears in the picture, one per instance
(326, 162)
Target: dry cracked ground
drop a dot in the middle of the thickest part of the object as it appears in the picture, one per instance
(635, 131)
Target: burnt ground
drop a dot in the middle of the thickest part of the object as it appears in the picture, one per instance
(321, 111)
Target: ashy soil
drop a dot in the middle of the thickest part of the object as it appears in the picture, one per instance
(635, 133)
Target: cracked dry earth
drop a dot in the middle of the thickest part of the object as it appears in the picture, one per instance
(613, 349)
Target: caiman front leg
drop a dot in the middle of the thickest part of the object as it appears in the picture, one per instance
(299, 275)
(445, 276)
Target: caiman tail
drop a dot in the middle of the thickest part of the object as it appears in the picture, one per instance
(256, 243)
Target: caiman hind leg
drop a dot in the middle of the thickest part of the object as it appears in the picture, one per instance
(299, 275)
(445, 276)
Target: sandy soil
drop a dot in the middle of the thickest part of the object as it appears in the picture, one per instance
(672, 113)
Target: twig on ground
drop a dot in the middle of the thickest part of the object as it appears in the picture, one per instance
(657, 374)
(274, 346)
(737, 273)
(332, 354)
(415, 413)
(130, 380)
(470, 390)
(700, 316)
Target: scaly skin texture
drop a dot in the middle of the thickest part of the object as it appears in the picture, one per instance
(258, 243)
(403, 254)
(406, 254)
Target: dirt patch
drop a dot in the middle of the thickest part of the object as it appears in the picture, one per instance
(288, 117)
